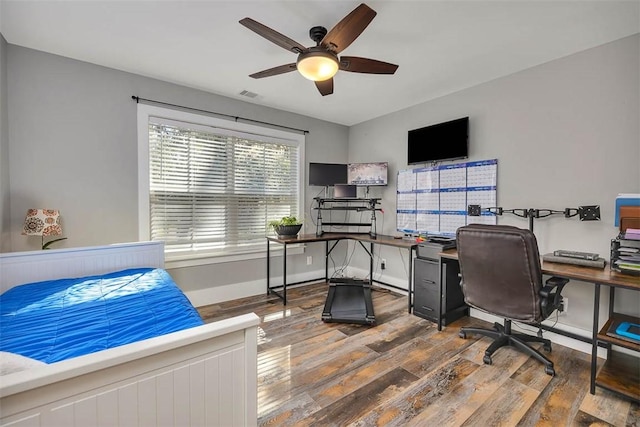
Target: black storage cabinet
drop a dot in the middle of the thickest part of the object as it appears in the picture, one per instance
(438, 295)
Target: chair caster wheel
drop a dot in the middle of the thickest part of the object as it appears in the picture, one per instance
(487, 360)
(550, 371)
(462, 335)
(547, 347)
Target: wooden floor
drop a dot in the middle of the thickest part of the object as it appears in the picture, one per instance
(404, 372)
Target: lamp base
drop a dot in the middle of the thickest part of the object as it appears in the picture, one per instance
(46, 245)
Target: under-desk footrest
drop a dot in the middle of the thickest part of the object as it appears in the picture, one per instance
(348, 281)
(349, 301)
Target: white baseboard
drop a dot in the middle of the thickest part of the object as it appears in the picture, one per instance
(216, 294)
(397, 283)
(555, 338)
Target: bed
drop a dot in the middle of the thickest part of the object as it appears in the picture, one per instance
(202, 375)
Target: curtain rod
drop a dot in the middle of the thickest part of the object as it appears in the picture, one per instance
(236, 118)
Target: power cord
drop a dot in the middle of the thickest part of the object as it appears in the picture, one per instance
(539, 330)
(315, 224)
(345, 263)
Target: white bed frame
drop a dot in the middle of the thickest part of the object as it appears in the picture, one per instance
(200, 376)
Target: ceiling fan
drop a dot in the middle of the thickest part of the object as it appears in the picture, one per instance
(321, 62)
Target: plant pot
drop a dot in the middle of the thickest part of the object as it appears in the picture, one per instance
(288, 230)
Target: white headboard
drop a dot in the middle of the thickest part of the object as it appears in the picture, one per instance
(17, 268)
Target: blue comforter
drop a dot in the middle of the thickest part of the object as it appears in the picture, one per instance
(59, 319)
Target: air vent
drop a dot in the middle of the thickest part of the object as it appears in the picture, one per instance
(248, 94)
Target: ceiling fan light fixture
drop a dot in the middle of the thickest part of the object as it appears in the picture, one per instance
(317, 65)
(321, 62)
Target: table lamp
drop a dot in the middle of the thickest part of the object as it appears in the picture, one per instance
(43, 222)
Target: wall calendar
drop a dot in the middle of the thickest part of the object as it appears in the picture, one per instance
(434, 200)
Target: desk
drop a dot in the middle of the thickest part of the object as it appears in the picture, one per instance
(621, 372)
(409, 245)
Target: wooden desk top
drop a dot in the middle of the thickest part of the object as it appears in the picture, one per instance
(577, 272)
(381, 239)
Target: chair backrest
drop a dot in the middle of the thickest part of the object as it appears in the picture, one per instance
(501, 273)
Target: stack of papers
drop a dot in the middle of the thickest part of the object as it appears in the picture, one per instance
(627, 266)
(626, 257)
(632, 234)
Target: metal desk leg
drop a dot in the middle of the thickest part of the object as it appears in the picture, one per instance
(410, 290)
(284, 275)
(326, 261)
(594, 338)
(612, 299)
(268, 268)
(442, 271)
(371, 265)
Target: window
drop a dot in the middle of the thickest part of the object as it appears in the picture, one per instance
(210, 186)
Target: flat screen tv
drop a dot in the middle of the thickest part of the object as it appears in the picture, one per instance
(327, 174)
(365, 174)
(442, 141)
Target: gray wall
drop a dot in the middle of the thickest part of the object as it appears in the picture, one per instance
(4, 152)
(565, 133)
(73, 147)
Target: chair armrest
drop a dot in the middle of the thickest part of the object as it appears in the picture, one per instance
(552, 300)
(551, 284)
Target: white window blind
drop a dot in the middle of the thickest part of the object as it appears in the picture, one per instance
(214, 190)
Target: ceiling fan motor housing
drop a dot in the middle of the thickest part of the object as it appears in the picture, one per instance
(317, 34)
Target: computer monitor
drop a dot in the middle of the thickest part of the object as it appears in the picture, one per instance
(345, 191)
(366, 174)
(327, 174)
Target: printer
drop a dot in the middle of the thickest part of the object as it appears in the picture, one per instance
(433, 245)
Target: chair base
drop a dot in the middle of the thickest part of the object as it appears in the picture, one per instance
(502, 336)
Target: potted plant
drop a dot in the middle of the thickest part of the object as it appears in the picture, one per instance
(287, 226)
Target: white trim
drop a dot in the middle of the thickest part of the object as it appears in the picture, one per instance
(362, 273)
(84, 390)
(178, 261)
(143, 173)
(26, 267)
(144, 112)
(217, 294)
(80, 390)
(555, 338)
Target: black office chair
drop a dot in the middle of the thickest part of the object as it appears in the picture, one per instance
(501, 275)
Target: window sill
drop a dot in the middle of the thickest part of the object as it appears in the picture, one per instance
(193, 260)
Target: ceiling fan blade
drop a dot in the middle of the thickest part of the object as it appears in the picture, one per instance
(281, 69)
(325, 87)
(356, 64)
(347, 30)
(273, 36)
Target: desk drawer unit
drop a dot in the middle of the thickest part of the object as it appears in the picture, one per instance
(427, 289)
(438, 296)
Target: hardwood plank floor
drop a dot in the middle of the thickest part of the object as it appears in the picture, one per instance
(404, 372)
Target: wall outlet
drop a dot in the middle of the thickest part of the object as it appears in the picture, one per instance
(309, 260)
(383, 263)
(565, 305)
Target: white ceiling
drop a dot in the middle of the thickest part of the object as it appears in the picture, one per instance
(440, 46)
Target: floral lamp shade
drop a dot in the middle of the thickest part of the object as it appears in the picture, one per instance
(43, 222)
